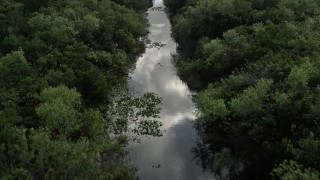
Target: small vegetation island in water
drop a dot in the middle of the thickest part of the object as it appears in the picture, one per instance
(256, 66)
(63, 103)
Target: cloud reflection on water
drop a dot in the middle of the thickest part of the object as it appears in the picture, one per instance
(155, 73)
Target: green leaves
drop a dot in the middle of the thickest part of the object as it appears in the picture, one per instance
(174, 5)
(147, 105)
(292, 170)
(132, 4)
(53, 29)
(213, 108)
(136, 114)
(223, 159)
(256, 66)
(14, 68)
(69, 97)
(149, 127)
(19, 174)
(57, 110)
(67, 159)
(61, 63)
(249, 102)
(299, 77)
(252, 99)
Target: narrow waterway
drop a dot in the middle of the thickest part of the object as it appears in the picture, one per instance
(170, 156)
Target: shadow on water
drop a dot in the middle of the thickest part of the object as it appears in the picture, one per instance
(229, 156)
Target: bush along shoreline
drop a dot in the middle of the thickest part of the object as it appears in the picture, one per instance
(62, 63)
(255, 64)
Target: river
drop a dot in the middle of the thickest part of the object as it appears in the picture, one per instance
(170, 156)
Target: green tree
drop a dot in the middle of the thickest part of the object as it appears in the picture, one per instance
(292, 170)
(14, 69)
(57, 110)
(255, 65)
(62, 63)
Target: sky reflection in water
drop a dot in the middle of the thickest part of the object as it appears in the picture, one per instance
(155, 73)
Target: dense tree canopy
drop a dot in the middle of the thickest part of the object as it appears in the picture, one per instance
(256, 66)
(63, 64)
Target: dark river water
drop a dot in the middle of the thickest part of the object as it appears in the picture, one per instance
(170, 156)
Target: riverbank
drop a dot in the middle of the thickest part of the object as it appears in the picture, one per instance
(255, 64)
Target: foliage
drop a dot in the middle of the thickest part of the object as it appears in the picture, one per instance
(136, 5)
(292, 170)
(255, 64)
(141, 113)
(174, 5)
(61, 65)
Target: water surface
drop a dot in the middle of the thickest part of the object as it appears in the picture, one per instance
(167, 157)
